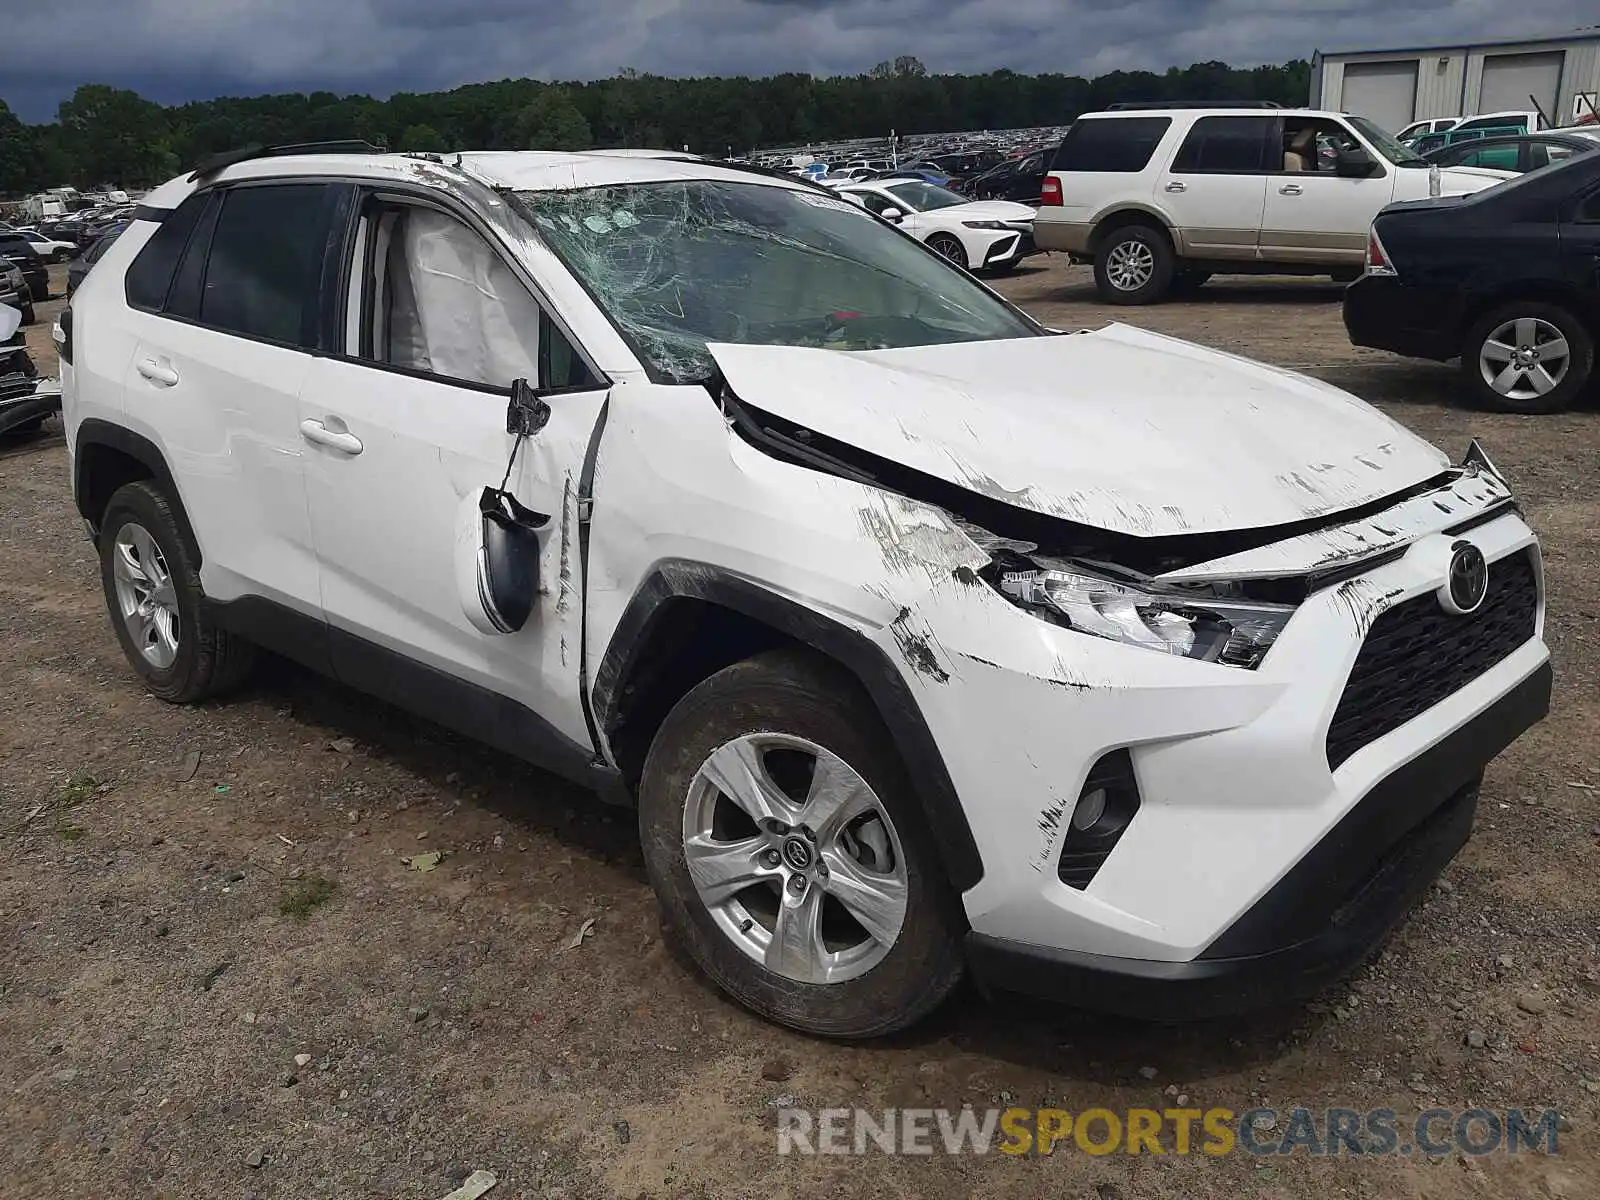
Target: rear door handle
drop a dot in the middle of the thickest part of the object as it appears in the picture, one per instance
(157, 373)
(1290, 189)
(1177, 185)
(316, 431)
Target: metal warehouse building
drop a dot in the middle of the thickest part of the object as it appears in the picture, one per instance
(1396, 87)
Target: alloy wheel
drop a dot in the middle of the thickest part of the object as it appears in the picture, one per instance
(146, 597)
(795, 857)
(1130, 265)
(1524, 358)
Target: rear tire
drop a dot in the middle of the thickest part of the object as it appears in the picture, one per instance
(29, 317)
(805, 705)
(175, 647)
(1527, 356)
(1134, 264)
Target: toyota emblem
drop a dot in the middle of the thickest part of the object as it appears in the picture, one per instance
(1468, 581)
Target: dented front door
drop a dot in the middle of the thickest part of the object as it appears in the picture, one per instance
(395, 465)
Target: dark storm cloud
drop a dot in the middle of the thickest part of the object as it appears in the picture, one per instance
(175, 50)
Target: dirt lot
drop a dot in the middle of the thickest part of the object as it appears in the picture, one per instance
(168, 951)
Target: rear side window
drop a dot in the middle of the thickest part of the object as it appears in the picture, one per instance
(265, 264)
(1226, 146)
(150, 275)
(1122, 144)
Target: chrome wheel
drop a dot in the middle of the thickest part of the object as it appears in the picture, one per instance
(1525, 358)
(795, 857)
(146, 597)
(1130, 265)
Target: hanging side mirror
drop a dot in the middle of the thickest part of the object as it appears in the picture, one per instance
(498, 546)
(527, 413)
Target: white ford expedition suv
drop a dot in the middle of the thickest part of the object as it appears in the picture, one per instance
(925, 639)
(1162, 199)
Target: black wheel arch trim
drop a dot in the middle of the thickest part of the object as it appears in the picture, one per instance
(683, 579)
(93, 431)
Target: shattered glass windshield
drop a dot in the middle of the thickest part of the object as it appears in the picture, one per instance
(676, 265)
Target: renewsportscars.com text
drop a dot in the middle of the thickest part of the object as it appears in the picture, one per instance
(1178, 1131)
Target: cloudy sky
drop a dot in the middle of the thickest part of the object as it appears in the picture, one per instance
(175, 50)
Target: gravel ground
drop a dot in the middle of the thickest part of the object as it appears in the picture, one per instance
(219, 979)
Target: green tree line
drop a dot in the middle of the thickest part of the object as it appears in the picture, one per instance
(107, 135)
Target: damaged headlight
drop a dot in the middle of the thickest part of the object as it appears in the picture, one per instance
(1212, 628)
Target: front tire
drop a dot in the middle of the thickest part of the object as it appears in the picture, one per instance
(785, 843)
(1134, 265)
(29, 317)
(1527, 356)
(949, 247)
(152, 590)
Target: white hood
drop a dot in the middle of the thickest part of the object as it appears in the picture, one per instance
(988, 210)
(1118, 429)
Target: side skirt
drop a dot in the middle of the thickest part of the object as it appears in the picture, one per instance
(425, 691)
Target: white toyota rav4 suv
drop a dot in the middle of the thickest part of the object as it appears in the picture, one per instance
(1162, 199)
(925, 639)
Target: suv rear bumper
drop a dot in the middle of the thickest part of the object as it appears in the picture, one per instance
(1392, 844)
(1061, 234)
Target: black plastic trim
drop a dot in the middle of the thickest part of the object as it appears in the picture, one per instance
(94, 432)
(1392, 845)
(477, 712)
(853, 650)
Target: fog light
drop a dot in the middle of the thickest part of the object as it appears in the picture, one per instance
(1106, 804)
(1091, 807)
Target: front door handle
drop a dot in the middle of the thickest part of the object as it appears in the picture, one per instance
(1177, 185)
(1290, 189)
(316, 431)
(156, 372)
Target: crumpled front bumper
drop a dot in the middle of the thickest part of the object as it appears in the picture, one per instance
(1237, 792)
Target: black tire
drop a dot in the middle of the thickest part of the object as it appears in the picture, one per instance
(949, 247)
(1188, 282)
(210, 661)
(1580, 364)
(29, 317)
(795, 693)
(1135, 240)
(25, 428)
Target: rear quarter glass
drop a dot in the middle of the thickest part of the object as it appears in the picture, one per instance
(1122, 145)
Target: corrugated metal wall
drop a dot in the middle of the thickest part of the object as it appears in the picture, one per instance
(1449, 81)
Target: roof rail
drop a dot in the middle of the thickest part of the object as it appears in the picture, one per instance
(217, 162)
(1127, 105)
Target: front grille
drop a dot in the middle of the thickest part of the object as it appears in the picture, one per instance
(1416, 654)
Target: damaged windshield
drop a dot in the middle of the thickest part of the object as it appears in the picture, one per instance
(677, 265)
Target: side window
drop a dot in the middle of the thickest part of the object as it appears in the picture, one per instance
(1225, 146)
(874, 202)
(1313, 145)
(437, 299)
(263, 273)
(1117, 144)
(150, 275)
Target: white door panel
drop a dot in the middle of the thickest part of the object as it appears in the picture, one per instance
(385, 520)
(227, 409)
(1216, 215)
(1319, 216)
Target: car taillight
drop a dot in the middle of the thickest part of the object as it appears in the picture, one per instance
(1377, 257)
(64, 345)
(1050, 190)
